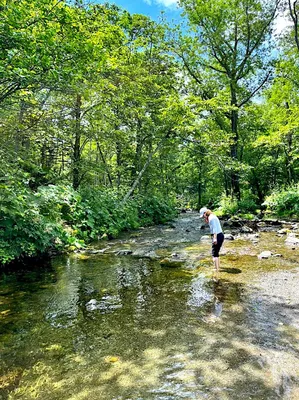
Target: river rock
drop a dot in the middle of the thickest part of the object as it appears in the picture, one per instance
(92, 305)
(234, 222)
(228, 236)
(246, 229)
(282, 231)
(151, 255)
(97, 251)
(205, 238)
(274, 222)
(265, 254)
(292, 240)
(172, 262)
(124, 252)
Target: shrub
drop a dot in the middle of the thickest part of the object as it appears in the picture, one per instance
(23, 230)
(58, 217)
(155, 210)
(284, 202)
(232, 206)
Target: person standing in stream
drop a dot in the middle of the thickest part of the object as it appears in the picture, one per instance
(216, 232)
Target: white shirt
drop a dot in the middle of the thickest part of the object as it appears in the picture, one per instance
(214, 223)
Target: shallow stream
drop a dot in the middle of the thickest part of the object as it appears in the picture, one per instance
(113, 323)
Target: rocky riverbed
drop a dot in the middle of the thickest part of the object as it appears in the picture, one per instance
(144, 317)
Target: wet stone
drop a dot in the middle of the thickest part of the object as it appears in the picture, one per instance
(228, 236)
(265, 254)
(205, 238)
(124, 252)
(292, 240)
(115, 327)
(246, 229)
(172, 262)
(282, 231)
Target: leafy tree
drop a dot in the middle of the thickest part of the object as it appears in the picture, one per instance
(230, 42)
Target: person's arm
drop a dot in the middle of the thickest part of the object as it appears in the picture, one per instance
(215, 238)
(213, 230)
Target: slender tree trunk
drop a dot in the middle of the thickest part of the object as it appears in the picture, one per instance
(200, 184)
(146, 179)
(293, 7)
(105, 164)
(288, 152)
(77, 144)
(19, 133)
(257, 187)
(235, 180)
(139, 176)
(119, 162)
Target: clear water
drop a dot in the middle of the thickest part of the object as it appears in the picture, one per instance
(120, 327)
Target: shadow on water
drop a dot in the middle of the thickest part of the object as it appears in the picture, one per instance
(231, 270)
(121, 328)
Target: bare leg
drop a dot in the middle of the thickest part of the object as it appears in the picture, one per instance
(216, 263)
(216, 270)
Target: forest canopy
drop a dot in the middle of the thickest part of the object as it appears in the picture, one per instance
(111, 120)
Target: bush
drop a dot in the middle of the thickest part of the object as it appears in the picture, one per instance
(58, 217)
(228, 205)
(32, 222)
(155, 210)
(231, 206)
(284, 202)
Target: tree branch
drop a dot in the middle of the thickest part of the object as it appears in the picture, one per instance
(254, 91)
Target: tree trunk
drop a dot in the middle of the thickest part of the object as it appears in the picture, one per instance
(200, 184)
(235, 181)
(77, 144)
(105, 164)
(119, 162)
(139, 176)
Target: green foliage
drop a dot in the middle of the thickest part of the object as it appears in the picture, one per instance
(59, 218)
(133, 117)
(102, 213)
(228, 205)
(23, 230)
(284, 202)
(34, 222)
(233, 206)
(155, 210)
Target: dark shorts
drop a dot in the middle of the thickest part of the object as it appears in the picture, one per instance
(217, 246)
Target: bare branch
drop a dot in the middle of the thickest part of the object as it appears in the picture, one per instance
(254, 91)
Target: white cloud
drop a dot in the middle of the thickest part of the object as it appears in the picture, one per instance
(167, 3)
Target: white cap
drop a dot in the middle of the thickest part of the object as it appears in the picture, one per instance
(202, 211)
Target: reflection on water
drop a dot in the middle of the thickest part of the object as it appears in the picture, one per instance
(122, 328)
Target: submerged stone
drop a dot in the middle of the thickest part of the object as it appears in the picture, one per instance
(228, 236)
(172, 263)
(282, 231)
(265, 254)
(124, 252)
(205, 237)
(246, 229)
(292, 239)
